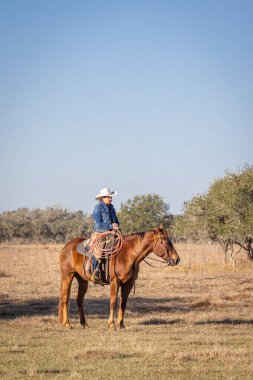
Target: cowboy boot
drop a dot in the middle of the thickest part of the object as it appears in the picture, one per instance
(96, 277)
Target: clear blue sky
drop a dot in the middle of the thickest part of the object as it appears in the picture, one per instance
(141, 96)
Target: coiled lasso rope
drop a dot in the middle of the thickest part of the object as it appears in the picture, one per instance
(108, 244)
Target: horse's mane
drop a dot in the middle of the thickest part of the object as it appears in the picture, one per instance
(135, 235)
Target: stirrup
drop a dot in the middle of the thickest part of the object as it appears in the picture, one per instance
(97, 278)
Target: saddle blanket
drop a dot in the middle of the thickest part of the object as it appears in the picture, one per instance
(82, 247)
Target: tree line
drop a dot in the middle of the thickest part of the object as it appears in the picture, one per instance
(55, 224)
(223, 214)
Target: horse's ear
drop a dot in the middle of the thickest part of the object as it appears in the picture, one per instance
(162, 230)
(159, 230)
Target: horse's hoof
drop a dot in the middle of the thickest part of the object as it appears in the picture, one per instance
(111, 326)
(84, 324)
(121, 326)
(67, 326)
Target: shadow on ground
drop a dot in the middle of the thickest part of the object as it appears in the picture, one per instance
(97, 307)
(226, 322)
(139, 306)
(157, 321)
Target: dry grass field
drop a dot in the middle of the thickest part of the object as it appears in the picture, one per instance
(193, 321)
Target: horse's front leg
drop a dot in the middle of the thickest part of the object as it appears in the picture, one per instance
(64, 299)
(82, 289)
(125, 291)
(113, 301)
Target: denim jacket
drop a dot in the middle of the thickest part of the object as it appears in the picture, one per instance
(103, 216)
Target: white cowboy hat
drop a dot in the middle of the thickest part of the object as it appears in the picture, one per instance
(106, 192)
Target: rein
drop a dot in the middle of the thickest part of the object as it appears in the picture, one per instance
(144, 259)
(150, 258)
(153, 266)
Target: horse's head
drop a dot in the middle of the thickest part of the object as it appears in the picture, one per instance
(164, 248)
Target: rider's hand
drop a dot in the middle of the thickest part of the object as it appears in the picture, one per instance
(115, 226)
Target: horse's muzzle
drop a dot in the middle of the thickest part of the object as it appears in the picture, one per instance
(172, 262)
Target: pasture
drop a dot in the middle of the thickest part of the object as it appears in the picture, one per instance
(192, 321)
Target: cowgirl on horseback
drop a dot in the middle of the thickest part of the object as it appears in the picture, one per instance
(105, 219)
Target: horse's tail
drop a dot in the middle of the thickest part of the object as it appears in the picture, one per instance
(60, 313)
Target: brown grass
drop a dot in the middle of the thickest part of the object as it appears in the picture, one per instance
(193, 321)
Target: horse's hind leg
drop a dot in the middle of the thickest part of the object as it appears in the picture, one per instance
(64, 299)
(82, 289)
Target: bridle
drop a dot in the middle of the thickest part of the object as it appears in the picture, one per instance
(159, 238)
(159, 261)
(150, 258)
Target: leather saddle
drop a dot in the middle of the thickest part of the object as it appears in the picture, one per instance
(91, 264)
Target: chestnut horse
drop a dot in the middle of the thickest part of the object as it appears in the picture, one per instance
(123, 270)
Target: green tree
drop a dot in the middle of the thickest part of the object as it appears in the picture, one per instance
(230, 210)
(192, 225)
(6, 230)
(224, 214)
(144, 212)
